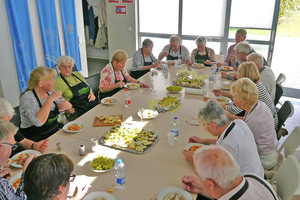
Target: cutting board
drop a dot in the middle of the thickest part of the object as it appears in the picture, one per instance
(100, 123)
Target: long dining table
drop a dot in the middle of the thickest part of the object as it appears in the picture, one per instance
(146, 174)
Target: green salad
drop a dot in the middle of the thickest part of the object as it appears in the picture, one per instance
(102, 163)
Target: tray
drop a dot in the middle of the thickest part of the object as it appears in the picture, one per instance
(101, 141)
(100, 123)
(188, 86)
(159, 109)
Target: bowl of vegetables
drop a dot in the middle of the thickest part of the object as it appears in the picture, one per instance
(174, 89)
(102, 164)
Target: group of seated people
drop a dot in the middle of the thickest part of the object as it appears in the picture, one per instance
(245, 129)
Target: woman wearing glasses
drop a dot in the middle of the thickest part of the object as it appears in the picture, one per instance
(53, 174)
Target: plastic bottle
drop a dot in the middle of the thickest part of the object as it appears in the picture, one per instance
(127, 99)
(215, 67)
(211, 74)
(175, 127)
(120, 175)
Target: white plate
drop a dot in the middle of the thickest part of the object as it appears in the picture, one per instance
(94, 195)
(132, 86)
(189, 145)
(110, 100)
(226, 68)
(14, 164)
(221, 97)
(167, 190)
(148, 114)
(101, 171)
(81, 124)
(14, 179)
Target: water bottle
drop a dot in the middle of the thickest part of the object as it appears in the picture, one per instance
(179, 61)
(215, 67)
(127, 99)
(211, 74)
(175, 127)
(120, 175)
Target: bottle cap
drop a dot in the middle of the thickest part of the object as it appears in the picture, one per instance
(126, 89)
(119, 161)
(175, 117)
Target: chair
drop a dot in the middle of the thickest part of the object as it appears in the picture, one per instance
(278, 93)
(281, 78)
(16, 119)
(93, 82)
(291, 143)
(128, 65)
(287, 179)
(219, 58)
(286, 110)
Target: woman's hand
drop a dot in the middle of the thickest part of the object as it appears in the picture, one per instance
(5, 173)
(233, 59)
(195, 139)
(41, 146)
(224, 74)
(218, 92)
(55, 95)
(154, 65)
(65, 105)
(191, 184)
(144, 85)
(91, 97)
(120, 84)
(28, 160)
(207, 62)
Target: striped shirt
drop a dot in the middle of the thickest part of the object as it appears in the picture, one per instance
(263, 96)
(7, 192)
(138, 60)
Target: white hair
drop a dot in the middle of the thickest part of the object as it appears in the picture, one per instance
(256, 58)
(216, 163)
(213, 112)
(174, 38)
(65, 59)
(201, 40)
(243, 47)
(6, 128)
(6, 109)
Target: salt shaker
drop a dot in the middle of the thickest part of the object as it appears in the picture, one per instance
(82, 150)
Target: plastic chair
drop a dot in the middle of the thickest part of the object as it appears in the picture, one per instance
(286, 110)
(291, 143)
(287, 179)
(93, 82)
(278, 93)
(219, 58)
(16, 119)
(128, 65)
(281, 78)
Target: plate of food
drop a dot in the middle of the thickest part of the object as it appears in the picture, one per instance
(226, 68)
(130, 139)
(147, 113)
(184, 73)
(193, 146)
(174, 193)
(189, 82)
(15, 180)
(132, 86)
(102, 164)
(198, 65)
(167, 103)
(99, 196)
(110, 100)
(18, 159)
(226, 86)
(107, 120)
(174, 89)
(224, 100)
(74, 127)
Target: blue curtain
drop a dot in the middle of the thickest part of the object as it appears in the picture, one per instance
(20, 28)
(49, 30)
(68, 13)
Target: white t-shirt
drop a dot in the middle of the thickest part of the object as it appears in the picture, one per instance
(241, 144)
(185, 54)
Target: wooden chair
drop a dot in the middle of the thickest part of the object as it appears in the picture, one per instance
(287, 179)
(93, 82)
(286, 110)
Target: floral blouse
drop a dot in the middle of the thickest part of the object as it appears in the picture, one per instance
(107, 76)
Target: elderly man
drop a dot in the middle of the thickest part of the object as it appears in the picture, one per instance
(175, 50)
(267, 76)
(7, 143)
(235, 136)
(6, 113)
(220, 178)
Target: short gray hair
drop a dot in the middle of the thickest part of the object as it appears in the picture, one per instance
(256, 58)
(174, 38)
(6, 109)
(65, 59)
(147, 42)
(216, 163)
(6, 128)
(201, 40)
(243, 47)
(213, 112)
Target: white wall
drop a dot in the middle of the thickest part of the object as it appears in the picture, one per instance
(8, 71)
(122, 29)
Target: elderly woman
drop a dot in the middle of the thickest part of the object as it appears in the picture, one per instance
(259, 119)
(175, 50)
(52, 174)
(6, 114)
(202, 54)
(114, 76)
(74, 87)
(249, 70)
(143, 60)
(40, 105)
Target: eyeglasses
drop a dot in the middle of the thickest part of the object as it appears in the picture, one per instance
(13, 146)
(72, 177)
